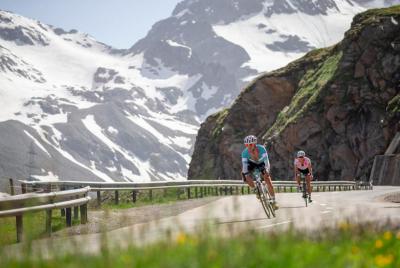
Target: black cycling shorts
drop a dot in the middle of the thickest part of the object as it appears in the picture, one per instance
(252, 166)
(304, 171)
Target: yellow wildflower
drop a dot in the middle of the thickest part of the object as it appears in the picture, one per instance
(387, 235)
(181, 238)
(378, 243)
(383, 260)
(344, 226)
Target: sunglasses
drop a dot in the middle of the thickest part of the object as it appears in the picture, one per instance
(301, 156)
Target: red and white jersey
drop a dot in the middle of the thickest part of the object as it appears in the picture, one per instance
(305, 165)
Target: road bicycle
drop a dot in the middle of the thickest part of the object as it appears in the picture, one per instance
(263, 193)
(304, 188)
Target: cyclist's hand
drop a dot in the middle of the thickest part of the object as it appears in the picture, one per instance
(311, 177)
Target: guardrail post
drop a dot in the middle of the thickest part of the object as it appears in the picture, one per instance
(188, 192)
(164, 193)
(23, 188)
(98, 199)
(242, 190)
(76, 213)
(195, 192)
(12, 192)
(48, 221)
(151, 194)
(248, 189)
(83, 209)
(116, 197)
(68, 218)
(20, 227)
(134, 196)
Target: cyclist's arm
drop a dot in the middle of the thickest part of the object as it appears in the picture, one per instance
(245, 169)
(310, 169)
(267, 164)
(264, 158)
(295, 171)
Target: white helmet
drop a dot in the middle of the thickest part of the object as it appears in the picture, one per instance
(250, 139)
(301, 154)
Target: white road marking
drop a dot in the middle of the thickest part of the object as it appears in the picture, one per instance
(322, 205)
(274, 224)
(326, 211)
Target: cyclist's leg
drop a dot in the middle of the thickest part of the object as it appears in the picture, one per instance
(248, 177)
(308, 180)
(268, 182)
(298, 178)
(249, 180)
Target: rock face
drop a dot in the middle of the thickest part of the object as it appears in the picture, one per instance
(339, 104)
(386, 168)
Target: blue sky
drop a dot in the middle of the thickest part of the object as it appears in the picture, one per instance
(118, 23)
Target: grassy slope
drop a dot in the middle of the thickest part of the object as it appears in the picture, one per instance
(308, 93)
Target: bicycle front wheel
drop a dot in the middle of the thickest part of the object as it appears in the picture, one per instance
(269, 200)
(264, 201)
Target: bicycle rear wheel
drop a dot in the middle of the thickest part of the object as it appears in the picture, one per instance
(264, 201)
(305, 193)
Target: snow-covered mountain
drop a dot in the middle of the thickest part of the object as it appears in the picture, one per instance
(73, 108)
(76, 109)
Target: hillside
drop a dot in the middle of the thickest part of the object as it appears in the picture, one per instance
(339, 104)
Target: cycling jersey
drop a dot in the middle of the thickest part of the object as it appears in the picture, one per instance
(262, 159)
(304, 166)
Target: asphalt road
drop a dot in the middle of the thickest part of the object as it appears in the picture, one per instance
(232, 214)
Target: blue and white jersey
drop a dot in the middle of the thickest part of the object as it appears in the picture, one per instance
(262, 158)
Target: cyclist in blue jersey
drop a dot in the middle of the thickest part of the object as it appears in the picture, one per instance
(256, 156)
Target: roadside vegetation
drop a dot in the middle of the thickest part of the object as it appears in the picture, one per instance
(34, 226)
(346, 245)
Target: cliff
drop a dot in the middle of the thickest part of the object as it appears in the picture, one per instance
(339, 104)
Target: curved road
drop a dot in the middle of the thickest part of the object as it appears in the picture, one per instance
(235, 213)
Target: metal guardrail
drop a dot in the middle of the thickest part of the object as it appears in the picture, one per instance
(201, 187)
(18, 205)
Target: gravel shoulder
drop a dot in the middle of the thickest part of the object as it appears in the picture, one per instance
(107, 220)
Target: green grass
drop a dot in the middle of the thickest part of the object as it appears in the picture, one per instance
(219, 122)
(159, 196)
(393, 107)
(308, 93)
(33, 226)
(344, 246)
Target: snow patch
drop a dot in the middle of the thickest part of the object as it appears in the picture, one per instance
(38, 144)
(175, 44)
